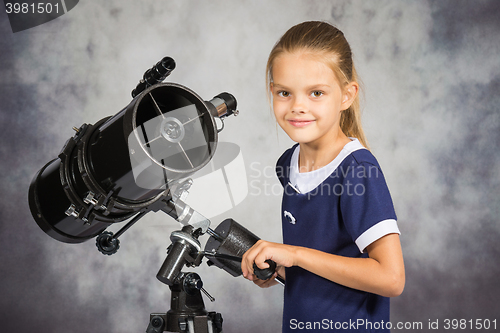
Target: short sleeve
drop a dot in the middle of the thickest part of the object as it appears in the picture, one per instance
(366, 205)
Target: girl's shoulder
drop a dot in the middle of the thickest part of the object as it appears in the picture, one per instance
(283, 164)
(285, 158)
(361, 157)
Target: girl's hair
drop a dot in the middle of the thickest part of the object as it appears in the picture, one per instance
(329, 43)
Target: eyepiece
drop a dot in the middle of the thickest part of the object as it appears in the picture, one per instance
(155, 75)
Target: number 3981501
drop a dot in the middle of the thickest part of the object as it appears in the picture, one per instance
(34, 8)
(464, 324)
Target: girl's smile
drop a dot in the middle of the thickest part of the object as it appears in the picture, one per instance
(299, 123)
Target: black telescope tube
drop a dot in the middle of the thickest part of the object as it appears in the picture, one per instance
(91, 184)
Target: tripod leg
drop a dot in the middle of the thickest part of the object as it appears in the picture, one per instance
(190, 323)
(214, 322)
(210, 326)
(210, 323)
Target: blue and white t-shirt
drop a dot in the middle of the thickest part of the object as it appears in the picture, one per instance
(340, 209)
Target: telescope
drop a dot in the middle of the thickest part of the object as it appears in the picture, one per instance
(137, 161)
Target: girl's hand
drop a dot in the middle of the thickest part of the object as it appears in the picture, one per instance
(280, 271)
(282, 255)
(265, 283)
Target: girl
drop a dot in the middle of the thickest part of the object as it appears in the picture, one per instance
(341, 258)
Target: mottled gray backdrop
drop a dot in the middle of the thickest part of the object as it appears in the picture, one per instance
(431, 78)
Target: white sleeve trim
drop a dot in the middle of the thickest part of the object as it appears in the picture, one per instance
(376, 232)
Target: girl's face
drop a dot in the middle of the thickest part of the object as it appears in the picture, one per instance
(307, 99)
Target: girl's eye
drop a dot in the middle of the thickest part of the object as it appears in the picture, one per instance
(283, 93)
(317, 93)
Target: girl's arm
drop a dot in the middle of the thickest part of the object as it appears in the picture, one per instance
(381, 273)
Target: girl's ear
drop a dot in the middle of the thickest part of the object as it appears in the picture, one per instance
(350, 93)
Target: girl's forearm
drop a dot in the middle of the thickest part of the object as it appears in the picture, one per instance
(382, 273)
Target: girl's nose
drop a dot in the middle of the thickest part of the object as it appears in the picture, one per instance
(299, 106)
